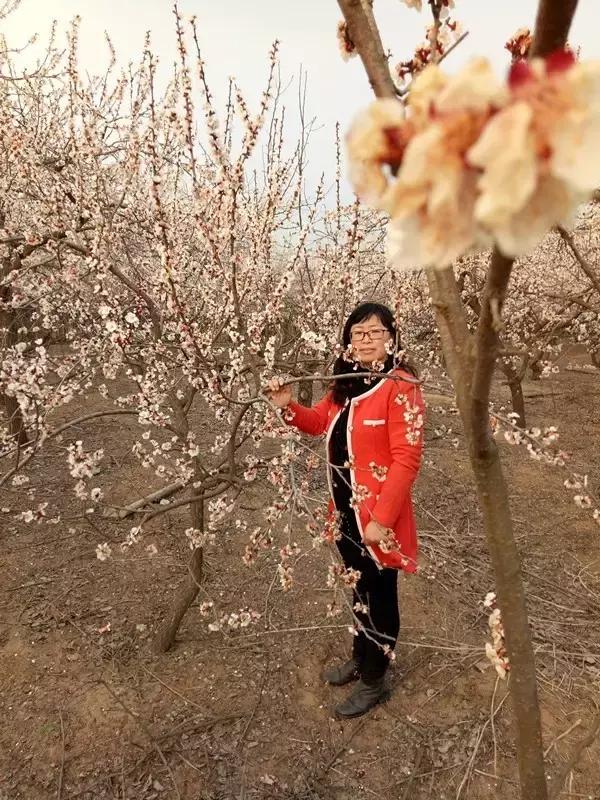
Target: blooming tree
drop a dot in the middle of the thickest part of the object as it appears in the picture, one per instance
(150, 266)
(542, 310)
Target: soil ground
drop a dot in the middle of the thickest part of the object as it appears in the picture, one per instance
(89, 712)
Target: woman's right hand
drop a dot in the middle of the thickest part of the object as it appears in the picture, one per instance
(279, 392)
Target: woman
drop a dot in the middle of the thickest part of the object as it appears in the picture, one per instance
(374, 439)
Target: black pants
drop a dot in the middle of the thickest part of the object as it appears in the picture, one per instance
(378, 590)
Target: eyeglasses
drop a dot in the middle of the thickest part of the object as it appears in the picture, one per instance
(374, 334)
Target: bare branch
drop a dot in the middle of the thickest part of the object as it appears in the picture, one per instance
(587, 741)
(368, 43)
(580, 258)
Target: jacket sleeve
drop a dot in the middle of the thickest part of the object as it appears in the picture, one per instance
(309, 420)
(405, 430)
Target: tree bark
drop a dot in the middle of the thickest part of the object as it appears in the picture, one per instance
(16, 424)
(153, 497)
(517, 400)
(306, 389)
(188, 591)
(517, 397)
(506, 561)
(305, 393)
(365, 35)
(493, 500)
(552, 25)
(165, 637)
(471, 370)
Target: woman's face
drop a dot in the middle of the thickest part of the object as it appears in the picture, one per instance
(369, 339)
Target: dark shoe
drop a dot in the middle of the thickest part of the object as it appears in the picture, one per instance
(363, 697)
(343, 673)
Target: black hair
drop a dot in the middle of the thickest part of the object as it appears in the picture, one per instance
(342, 389)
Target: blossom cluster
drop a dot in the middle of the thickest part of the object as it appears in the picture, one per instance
(378, 471)
(473, 161)
(35, 516)
(259, 540)
(520, 43)
(234, 620)
(360, 493)
(345, 43)
(331, 531)
(413, 418)
(345, 575)
(83, 465)
(440, 37)
(496, 649)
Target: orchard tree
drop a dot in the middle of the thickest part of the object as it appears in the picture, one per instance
(540, 310)
(149, 263)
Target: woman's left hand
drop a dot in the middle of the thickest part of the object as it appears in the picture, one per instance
(376, 533)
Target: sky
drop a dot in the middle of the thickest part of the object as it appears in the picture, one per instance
(236, 35)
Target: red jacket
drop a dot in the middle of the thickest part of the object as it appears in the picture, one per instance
(385, 443)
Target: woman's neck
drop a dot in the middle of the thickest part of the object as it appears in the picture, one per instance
(372, 366)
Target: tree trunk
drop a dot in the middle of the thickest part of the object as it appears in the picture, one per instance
(305, 393)
(518, 402)
(506, 562)
(471, 366)
(306, 389)
(516, 393)
(16, 424)
(535, 369)
(187, 593)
